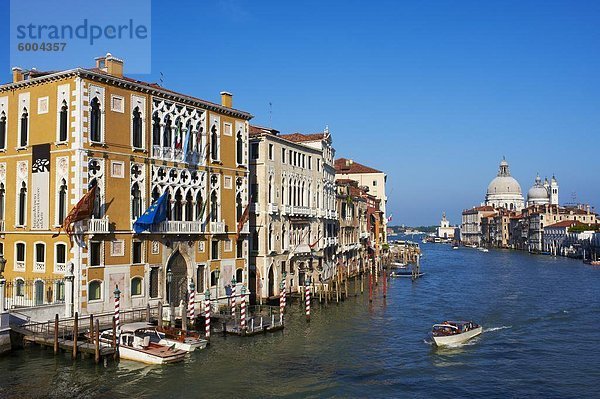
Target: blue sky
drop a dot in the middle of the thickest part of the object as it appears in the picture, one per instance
(434, 93)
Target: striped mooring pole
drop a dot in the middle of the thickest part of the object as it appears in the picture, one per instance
(281, 301)
(117, 293)
(192, 303)
(284, 291)
(243, 310)
(233, 299)
(207, 314)
(307, 299)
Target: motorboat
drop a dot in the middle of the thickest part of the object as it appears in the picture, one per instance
(139, 347)
(407, 273)
(188, 341)
(483, 249)
(454, 332)
(455, 247)
(398, 265)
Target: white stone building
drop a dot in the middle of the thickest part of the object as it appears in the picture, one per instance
(504, 191)
(293, 220)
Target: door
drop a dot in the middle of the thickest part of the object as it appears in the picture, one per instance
(177, 288)
(39, 292)
(271, 282)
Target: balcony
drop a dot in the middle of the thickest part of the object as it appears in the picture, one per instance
(217, 227)
(175, 154)
(273, 208)
(97, 226)
(245, 228)
(178, 227)
(300, 211)
(287, 209)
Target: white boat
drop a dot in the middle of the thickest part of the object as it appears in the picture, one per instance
(188, 341)
(398, 265)
(454, 332)
(483, 249)
(455, 247)
(139, 347)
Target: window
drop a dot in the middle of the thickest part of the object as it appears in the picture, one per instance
(136, 201)
(213, 278)
(22, 211)
(60, 257)
(95, 120)
(95, 290)
(309, 162)
(271, 152)
(239, 249)
(136, 249)
(3, 131)
(63, 122)
(95, 253)
(136, 286)
(154, 282)
(254, 151)
(214, 143)
(62, 202)
(239, 149)
(200, 278)
(20, 287)
(59, 288)
(214, 249)
(239, 274)
(137, 128)
(374, 183)
(20, 256)
(23, 138)
(40, 253)
(283, 155)
(155, 129)
(318, 165)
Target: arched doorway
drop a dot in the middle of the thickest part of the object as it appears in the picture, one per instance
(176, 290)
(271, 282)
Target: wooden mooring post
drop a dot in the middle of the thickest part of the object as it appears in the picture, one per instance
(75, 334)
(92, 328)
(56, 333)
(96, 336)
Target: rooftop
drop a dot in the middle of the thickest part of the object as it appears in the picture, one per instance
(348, 166)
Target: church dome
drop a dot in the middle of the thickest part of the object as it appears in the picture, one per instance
(504, 191)
(538, 194)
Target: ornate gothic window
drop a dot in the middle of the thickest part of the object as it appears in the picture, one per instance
(136, 201)
(238, 207)
(199, 206)
(167, 132)
(189, 206)
(214, 207)
(137, 128)
(239, 149)
(95, 120)
(2, 130)
(155, 129)
(63, 122)
(62, 202)
(22, 205)
(24, 128)
(214, 143)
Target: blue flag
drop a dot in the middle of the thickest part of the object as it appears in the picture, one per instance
(156, 213)
(186, 143)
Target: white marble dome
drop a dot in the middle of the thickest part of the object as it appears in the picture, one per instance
(538, 193)
(504, 191)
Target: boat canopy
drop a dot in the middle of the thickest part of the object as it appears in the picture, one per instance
(445, 326)
(133, 327)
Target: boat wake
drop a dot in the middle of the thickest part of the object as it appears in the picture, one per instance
(496, 328)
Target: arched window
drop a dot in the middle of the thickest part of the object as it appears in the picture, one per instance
(2, 130)
(178, 133)
(283, 191)
(213, 278)
(239, 274)
(239, 149)
(2, 199)
(20, 287)
(169, 207)
(63, 122)
(60, 257)
(136, 286)
(214, 207)
(178, 206)
(189, 206)
(40, 253)
(24, 128)
(95, 120)
(62, 202)
(155, 129)
(167, 132)
(155, 194)
(214, 143)
(136, 201)
(199, 206)
(22, 211)
(95, 290)
(270, 189)
(97, 200)
(137, 128)
(238, 207)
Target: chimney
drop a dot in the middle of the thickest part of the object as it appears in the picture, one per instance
(17, 74)
(226, 99)
(111, 65)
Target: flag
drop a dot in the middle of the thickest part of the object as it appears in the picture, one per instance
(186, 142)
(177, 137)
(82, 210)
(202, 209)
(156, 213)
(243, 219)
(390, 218)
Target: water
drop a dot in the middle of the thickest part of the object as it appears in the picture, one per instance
(540, 318)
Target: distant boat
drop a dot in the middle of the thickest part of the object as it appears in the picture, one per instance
(454, 332)
(455, 247)
(406, 273)
(398, 265)
(483, 249)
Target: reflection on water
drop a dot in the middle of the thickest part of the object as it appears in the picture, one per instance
(538, 331)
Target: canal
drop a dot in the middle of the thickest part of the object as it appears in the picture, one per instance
(540, 316)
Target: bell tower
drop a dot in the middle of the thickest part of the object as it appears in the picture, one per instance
(553, 191)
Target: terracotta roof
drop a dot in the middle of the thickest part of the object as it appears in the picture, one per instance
(256, 130)
(300, 138)
(343, 165)
(565, 223)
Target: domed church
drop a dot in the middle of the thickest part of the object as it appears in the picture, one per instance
(543, 193)
(504, 191)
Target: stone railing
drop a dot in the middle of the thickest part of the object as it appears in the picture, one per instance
(217, 227)
(179, 227)
(98, 226)
(39, 267)
(273, 208)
